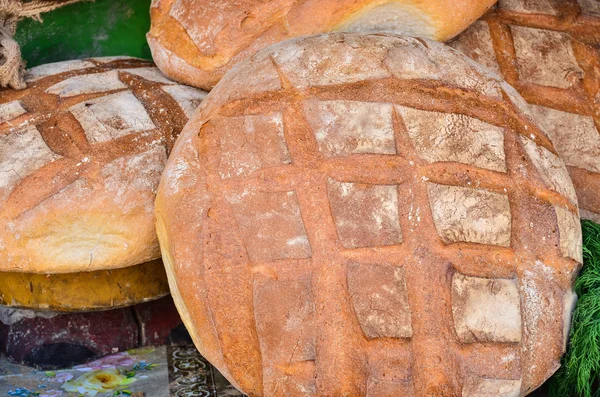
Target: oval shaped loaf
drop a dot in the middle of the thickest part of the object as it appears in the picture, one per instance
(548, 51)
(351, 215)
(196, 42)
(81, 153)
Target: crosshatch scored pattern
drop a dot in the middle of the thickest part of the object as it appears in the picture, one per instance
(548, 50)
(417, 298)
(86, 130)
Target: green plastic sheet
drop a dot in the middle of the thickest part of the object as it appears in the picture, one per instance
(87, 29)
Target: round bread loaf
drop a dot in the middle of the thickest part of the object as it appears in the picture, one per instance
(351, 215)
(196, 42)
(548, 51)
(81, 153)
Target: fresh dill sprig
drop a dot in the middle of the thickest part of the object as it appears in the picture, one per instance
(579, 375)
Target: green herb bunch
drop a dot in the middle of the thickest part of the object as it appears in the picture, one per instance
(579, 375)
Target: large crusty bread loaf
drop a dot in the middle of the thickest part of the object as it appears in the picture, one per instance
(81, 153)
(197, 41)
(370, 215)
(549, 51)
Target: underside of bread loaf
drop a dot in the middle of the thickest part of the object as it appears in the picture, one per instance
(391, 17)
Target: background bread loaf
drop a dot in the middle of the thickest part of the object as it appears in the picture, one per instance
(351, 215)
(548, 51)
(196, 42)
(81, 153)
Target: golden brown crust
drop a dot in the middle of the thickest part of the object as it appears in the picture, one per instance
(70, 292)
(548, 50)
(81, 153)
(196, 42)
(341, 223)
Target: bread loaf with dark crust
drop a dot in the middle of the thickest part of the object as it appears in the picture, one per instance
(81, 153)
(197, 41)
(370, 215)
(549, 51)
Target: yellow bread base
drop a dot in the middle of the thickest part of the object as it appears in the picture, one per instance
(84, 291)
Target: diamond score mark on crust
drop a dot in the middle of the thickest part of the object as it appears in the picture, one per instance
(66, 135)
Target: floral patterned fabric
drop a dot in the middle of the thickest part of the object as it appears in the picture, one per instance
(164, 371)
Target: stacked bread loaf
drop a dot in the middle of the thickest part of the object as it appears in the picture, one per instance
(196, 42)
(548, 51)
(370, 215)
(81, 153)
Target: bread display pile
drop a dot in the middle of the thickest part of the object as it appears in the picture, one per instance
(81, 153)
(350, 211)
(548, 51)
(387, 221)
(197, 42)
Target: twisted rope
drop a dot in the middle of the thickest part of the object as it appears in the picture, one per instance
(12, 66)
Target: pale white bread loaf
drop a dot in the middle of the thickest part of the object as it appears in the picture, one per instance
(196, 42)
(81, 153)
